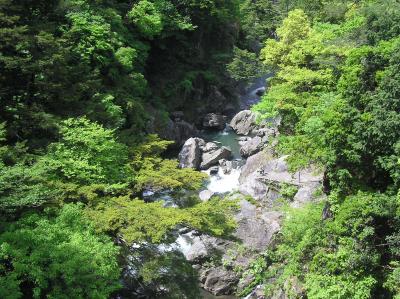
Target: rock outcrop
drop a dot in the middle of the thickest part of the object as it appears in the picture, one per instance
(256, 226)
(214, 121)
(244, 122)
(211, 158)
(190, 155)
(252, 146)
(174, 128)
(263, 175)
(256, 230)
(198, 154)
(219, 280)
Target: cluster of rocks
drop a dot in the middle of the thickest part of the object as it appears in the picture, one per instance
(198, 154)
(255, 232)
(258, 223)
(255, 135)
(260, 183)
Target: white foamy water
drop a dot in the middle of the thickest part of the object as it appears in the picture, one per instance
(222, 183)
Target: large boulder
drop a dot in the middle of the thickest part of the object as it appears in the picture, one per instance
(209, 146)
(244, 122)
(254, 163)
(263, 175)
(214, 121)
(252, 146)
(196, 247)
(190, 155)
(211, 158)
(219, 280)
(256, 227)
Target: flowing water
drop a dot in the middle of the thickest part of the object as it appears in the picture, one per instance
(220, 182)
(225, 182)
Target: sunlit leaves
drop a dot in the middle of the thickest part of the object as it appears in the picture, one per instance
(147, 17)
(58, 258)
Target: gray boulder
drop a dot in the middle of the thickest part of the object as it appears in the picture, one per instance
(190, 155)
(262, 176)
(210, 146)
(192, 246)
(307, 193)
(252, 146)
(214, 121)
(256, 227)
(205, 195)
(257, 293)
(260, 92)
(219, 281)
(211, 158)
(243, 139)
(254, 163)
(244, 122)
(227, 166)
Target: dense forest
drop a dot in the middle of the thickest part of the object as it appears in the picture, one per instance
(90, 91)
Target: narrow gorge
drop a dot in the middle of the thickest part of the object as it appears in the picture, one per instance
(200, 149)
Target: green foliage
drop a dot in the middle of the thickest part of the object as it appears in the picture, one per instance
(154, 173)
(138, 221)
(126, 56)
(339, 257)
(87, 153)
(288, 191)
(244, 66)
(146, 16)
(61, 257)
(259, 20)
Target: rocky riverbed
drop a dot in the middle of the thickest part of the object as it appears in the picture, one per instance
(242, 165)
(238, 154)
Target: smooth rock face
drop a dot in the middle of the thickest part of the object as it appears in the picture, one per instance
(306, 193)
(254, 163)
(211, 158)
(190, 155)
(214, 121)
(244, 122)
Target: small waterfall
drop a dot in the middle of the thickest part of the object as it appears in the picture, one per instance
(223, 183)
